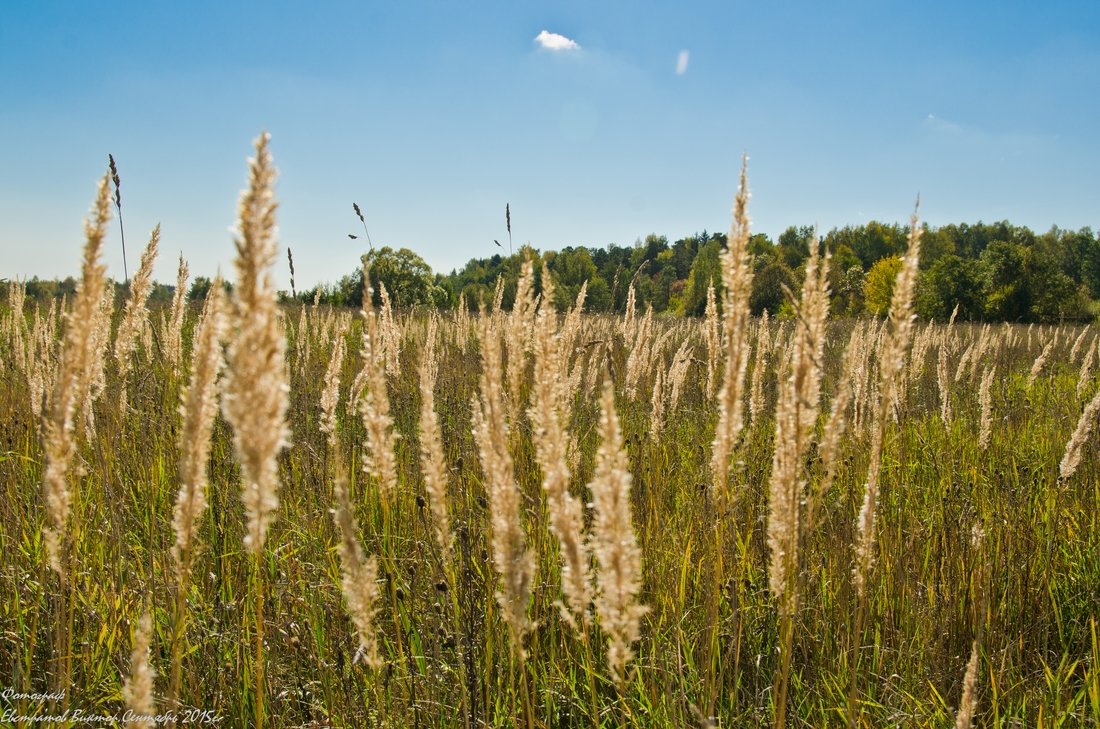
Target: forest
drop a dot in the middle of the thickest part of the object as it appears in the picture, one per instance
(987, 271)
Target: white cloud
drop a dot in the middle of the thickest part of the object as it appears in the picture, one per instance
(682, 62)
(555, 42)
(937, 124)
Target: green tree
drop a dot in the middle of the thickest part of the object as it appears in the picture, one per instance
(770, 287)
(407, 277)
(794, 245)
(1005, 277)
(571, 268)
(951, 281)
(705, 270)
(848, 292)
(879, 286)
(935, 243)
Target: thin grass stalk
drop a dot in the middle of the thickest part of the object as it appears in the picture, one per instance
(135, 315)
(511, 559)
(374, 401)
(137, 690)
(737, 279)
(198, 409)
(433, 467)
(891, 360)
(1084, 376)
(172, 332)
(985, 402)
(795, 418)
(70, 387)
(113, 172)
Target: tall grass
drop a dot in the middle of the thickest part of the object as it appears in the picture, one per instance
(521, 548)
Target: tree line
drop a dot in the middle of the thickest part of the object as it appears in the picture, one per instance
(989, 271)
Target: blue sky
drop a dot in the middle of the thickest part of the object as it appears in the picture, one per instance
(433, 115)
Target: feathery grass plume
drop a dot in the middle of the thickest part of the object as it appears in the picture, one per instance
(985, 402)
(837, 423)
(137, 690)
(629, 316)
(301, 341)
(639, 353)
(255, 397)
(969, 699)
(945, 386)
(595, 366)
(568, 336)
(618, 556)
(498, 295)
(988, 343)
(1080, 340)
(653, 354)
(657, 406)
(389, 333)
(677, 373)
(118, 205)
(548, 415)
(330, 394)
(922, 342)
(359, 574)
(737, 278)
(980, 348)
(521, 324)
(172, 329)
(1040, 362)
(1083, 377)
(42, 367)
(135, 315)
(1072, 457)
(713, 340)
(795, 416)
(890, 362)
(433, 465)
(255, 400)
(863, 376)
(462, 321)
(17, 324)
(512, 561)
(572, 368)
(374, 400)
(71, 384)
(96, 374)
(756, 386)
(197, 410)
(960, 369)
(146, 338)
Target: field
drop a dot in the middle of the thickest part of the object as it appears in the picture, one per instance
(525, 518)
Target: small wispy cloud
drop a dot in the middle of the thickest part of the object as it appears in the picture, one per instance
(556, 42)
(1004, 141)
(682, 62)
(942, 125)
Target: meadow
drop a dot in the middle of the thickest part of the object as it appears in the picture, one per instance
(232, 513)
